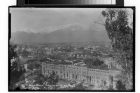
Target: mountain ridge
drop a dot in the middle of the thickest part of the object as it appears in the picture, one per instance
(74, 33)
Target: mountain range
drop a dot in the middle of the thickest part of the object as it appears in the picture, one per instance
(74, 33)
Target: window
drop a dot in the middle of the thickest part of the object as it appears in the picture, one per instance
(67, 75)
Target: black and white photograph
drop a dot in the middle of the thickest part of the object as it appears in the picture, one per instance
(71, 49)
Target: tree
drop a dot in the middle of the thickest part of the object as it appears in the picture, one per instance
(120, 32)
(12, 53)
(15, 72)
(118, 29)
(79, 87)
(92, 62)
(53, 78)
(40, 79)
(25, 53)
(120, 85)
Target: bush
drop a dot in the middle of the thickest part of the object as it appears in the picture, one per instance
(93, 62)
(120, 85)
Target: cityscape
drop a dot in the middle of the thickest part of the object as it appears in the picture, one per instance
(73, 56)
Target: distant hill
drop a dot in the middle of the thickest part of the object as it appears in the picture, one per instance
(74, 33)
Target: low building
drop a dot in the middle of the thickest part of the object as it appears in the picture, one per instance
(99, 78)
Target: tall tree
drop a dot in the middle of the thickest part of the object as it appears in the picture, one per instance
(120, 32)
(15, 72)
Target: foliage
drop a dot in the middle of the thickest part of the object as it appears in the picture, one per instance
(120, 85)
(15, 71)
(110, 88)
(53, 79)
(93, 62)
(40, 79)
(79, 87)
(33, 65)
(120, 32)
(118, 29)
(25, 53)
(12, 53)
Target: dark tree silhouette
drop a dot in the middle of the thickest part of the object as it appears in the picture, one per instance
(15, 73)
(79, 87)
(53, 78)
(40, 79)
(12, 53)
(120, 85)
(120, 33)
(93, 62)
(118, 29)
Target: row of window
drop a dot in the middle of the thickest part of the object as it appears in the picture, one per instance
(68, 67)
(67, 75)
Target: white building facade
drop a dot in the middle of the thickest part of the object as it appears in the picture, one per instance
(98, 78)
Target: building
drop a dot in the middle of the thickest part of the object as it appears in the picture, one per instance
(101, 79)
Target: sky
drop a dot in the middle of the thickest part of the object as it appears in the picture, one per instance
(39, 20)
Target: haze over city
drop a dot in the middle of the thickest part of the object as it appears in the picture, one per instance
(57, 25)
